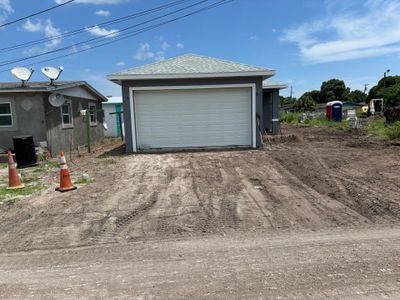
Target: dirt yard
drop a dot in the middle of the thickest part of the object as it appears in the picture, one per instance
(310, 179)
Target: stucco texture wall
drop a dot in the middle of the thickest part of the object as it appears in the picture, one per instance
(66, 139)
(28, 118)
(187, 82)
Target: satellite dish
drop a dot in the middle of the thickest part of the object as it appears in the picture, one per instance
(52, 73)
(56, 99)
(23, 74)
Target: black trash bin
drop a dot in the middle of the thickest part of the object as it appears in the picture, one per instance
(24, 149)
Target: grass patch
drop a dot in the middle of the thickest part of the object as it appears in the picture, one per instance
(294, 118)
(324, 122)
(290, 117)
(84, 181)
(3, 165)
(380, 130)
(7, 195)
(48, 165)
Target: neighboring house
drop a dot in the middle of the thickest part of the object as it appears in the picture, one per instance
(193, 101)
(113, 105)
(26, 110)
(271, 105)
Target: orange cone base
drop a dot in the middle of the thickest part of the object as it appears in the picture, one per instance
(21, 186)
(62, 190)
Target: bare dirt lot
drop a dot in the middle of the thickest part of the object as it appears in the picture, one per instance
(311, 179)
(334, 264)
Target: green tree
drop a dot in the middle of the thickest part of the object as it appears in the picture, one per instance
(287, 100)
(333, 90)
(387, 88)
(315, 95)
(305, 103)
(357, 96)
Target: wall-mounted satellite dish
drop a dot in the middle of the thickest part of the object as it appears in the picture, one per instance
(23, 74)
(56, 99)
(52, 73)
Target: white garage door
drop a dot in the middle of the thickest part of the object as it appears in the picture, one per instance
(193, 118)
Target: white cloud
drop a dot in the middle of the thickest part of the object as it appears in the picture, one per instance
(144, 52)
(93, 1)
(165, 45)
(120, 64)
(160, 55)
(180, 46)
(103, 13)
(5, 10)
(75, 49)
(50, 32)
(98, 31)
(372, 29)
(32, 27)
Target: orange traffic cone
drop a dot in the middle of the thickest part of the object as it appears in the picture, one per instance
(65, 179)
(14, 182)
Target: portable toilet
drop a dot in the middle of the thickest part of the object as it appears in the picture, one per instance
(334, 110)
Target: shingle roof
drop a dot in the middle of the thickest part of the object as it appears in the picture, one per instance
(44, 86)
(268, 84)
(191, 66)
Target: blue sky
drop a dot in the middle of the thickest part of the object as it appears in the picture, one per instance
(306, 41)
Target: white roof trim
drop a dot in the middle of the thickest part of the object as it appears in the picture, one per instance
(275, 86)
(117, 77)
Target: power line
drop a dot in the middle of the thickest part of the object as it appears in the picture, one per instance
(37, 13)
(84, 29)
(137, 32)
(100, 38)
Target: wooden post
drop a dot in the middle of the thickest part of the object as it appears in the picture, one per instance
(120, 127)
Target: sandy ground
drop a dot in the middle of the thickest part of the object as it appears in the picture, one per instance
(352, 264)
(311, 179)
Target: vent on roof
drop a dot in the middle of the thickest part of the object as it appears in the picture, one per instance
(52, 73)
(23, 74)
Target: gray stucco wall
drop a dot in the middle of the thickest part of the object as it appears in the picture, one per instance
(28, 118)
(271, 108)
(64, 139)
(186, 82)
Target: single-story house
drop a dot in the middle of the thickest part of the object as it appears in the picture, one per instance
(26, 110)
(112, 108)
(193, 101)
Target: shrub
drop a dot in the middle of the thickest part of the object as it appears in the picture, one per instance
(380, 130)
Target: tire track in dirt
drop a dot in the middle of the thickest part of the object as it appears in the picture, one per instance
(298, 205)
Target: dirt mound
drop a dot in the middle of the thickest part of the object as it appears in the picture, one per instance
(288, 138)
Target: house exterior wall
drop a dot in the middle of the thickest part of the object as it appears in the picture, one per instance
(126, 84)
(271, 108)
(28, 118)
(112, 121)
(64, 139)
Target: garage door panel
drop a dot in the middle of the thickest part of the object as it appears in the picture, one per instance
(193, 118)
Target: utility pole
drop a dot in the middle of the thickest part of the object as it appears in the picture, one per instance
(291, 93)
(366, 87)
(384, 77)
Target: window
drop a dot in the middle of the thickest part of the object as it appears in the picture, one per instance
(66, 114)
(93, 115)
(5, 115)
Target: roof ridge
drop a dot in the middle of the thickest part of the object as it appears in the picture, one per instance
(151, 64)
(227, 61)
